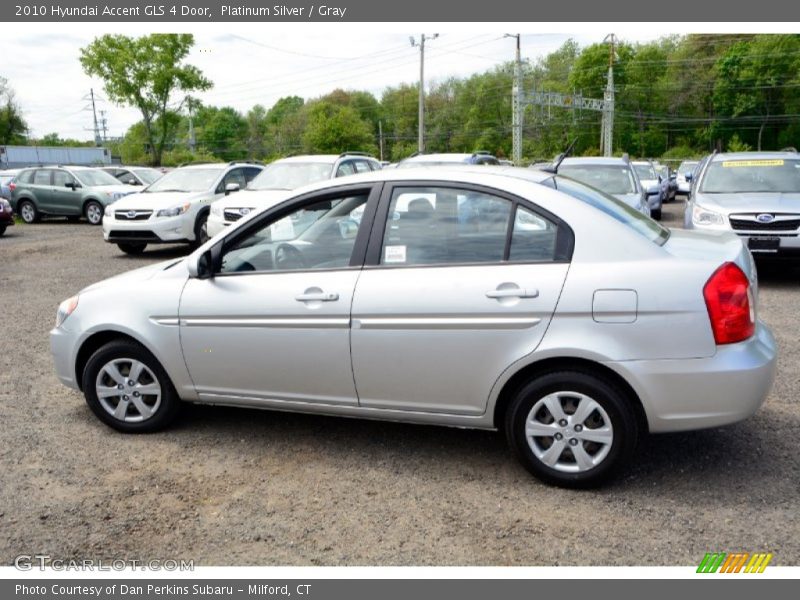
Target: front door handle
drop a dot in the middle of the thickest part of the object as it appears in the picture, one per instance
(317, 297)
(514, 292)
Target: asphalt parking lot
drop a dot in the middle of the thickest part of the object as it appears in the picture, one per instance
(234, 486)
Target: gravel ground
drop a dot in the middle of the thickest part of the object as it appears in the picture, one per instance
(235, 486)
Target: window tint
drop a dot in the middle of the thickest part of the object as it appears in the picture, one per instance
(611, 179)
(251, 173)
(345, 168)
(42, 177)
(234, 176)
(319, 235)
(62, 178)
(533, 238)
(431, 225)
(25, 176)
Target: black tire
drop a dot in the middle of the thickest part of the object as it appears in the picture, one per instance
(200, 229)
(132, 248)
(2, 229)
(73, 218)
(656, 214)
(122, 350)
(93, 211)
(614, 403)
(28, 216)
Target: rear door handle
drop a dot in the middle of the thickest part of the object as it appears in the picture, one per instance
(513, 293)
(317, 297)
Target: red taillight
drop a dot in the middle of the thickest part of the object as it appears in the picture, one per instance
(730, 305)
(12, 186)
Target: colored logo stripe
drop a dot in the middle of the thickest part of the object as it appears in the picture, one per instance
(734, 562)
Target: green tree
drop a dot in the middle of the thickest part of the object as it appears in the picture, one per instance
(334, 129)
(146, 73)
(12, 126)
(222, 132)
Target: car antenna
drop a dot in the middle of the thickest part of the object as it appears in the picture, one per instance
(560, 158)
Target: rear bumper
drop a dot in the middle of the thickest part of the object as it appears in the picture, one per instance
(681, 395)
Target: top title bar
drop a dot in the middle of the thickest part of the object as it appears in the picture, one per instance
(403, 11)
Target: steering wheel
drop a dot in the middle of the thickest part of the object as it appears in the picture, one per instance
(289, 257)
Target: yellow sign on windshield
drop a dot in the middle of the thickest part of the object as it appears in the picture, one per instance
(752, 163)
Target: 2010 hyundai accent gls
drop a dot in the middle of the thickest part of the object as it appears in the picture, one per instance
(485, 297)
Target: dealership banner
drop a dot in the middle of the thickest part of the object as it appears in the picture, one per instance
(409, 10)
(399, 589)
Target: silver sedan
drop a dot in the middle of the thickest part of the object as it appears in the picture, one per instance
(483, 297)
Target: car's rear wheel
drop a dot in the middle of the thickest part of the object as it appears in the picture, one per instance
(132, 247)
(93, 211)
(656, 214)
(2, 229)
(571, 429)
(127, 388)
(27, 210)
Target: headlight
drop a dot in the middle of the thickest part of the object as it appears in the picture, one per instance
(109, 210)
(65, 309)
(216, 210)
(704, 216)
(117, 195)
(174, 211)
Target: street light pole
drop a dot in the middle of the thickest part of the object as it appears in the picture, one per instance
(516, 106)
(421, 118)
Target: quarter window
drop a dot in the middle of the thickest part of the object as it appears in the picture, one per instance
(533, 238)
(345, 168)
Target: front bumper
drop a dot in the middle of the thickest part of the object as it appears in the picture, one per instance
(62, 347)
(686, 394)
(153, 230)
(216, 224)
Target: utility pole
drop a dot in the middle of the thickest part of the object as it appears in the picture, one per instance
(104, 125)
(607, 129)
(380, 138)
(421, 134)
(516, 106)
(190, 107)
(97, 140)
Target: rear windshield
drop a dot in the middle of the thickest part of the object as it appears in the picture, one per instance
(291, 175)
(645, 171)
(750, 176)
(614, 208)
(687, 167)
(611, 179)
(187, 180)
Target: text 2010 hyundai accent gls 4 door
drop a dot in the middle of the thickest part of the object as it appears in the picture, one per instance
(494, 298)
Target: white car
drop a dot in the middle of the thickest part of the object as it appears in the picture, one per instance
(175, 208)
(432, 296)
(273, 184)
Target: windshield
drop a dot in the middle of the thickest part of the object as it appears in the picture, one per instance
(645, 171)
(186, 180)
(687, 166)
(290, 175)
(95, 177)
(615, 209)
(611, 179)
(148, 176)
(756, 175)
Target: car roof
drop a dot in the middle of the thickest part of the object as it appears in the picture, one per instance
(595, 160)
(642, 162)
(443, 157)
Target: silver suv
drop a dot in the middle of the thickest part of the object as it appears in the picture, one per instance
(614, 176)
(175, 208)
(754, 194)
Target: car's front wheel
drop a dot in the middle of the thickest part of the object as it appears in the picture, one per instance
(127, 388)
(93, 211)
(132, 247)
(571, 428)
(656, 213)
(201, 229)
(2, 229)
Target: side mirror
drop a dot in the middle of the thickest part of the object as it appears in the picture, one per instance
(132, 181)
(231, 187)
(660, 179)
(688, 176)
(205, 265)
(71, 185)
(653, 190)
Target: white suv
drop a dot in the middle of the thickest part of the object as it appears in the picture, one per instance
(175, 208)
(271, 186)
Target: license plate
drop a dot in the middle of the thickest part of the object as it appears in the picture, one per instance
(764, 244)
